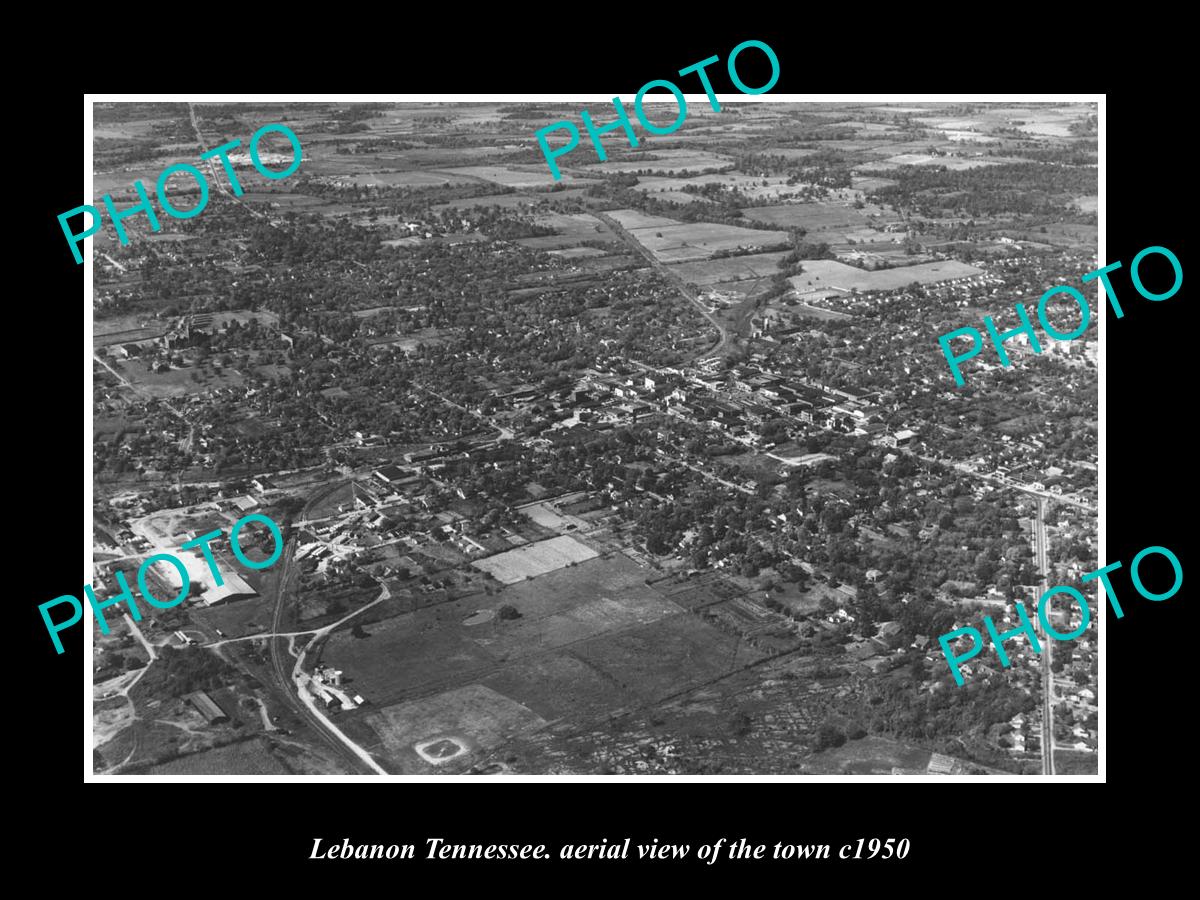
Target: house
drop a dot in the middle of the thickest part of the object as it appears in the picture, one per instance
(890, 633)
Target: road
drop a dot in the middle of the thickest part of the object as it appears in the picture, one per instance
(298, 698)
(114, 262)
(670, 276)
(212, 170)
(125, 382)
(827, 312)
(1042, 496)
(1041, 560)
(709, 475)
(503, 434)
(300, 680)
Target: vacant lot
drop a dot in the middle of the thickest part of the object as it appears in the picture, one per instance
(826, 274)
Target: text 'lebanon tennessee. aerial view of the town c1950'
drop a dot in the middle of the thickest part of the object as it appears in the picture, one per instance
(654, 469)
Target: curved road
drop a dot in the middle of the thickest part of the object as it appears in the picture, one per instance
(357, 758)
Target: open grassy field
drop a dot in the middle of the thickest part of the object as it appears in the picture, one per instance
(333, 502)
(730, 269)
(237, 618)
(576, 252)
(560, 684)
(411, 178)
(771, 187)
(826, 274)
(813, 216)
(868, 756)
(571, 230)
(508, 201)
(243, 758)
(954, 163)
(514, 176)
(632, 219)
(1087, 204)
(573, 224)
(668, 161)
(667, 656)
(437, 648)
(678, 242)
(179, 382)
(290, 202)
(1075, 762)
(469, 718)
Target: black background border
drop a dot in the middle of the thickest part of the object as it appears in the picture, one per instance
(1149, 452)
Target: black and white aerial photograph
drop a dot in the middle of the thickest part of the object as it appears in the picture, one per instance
(656, 468)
